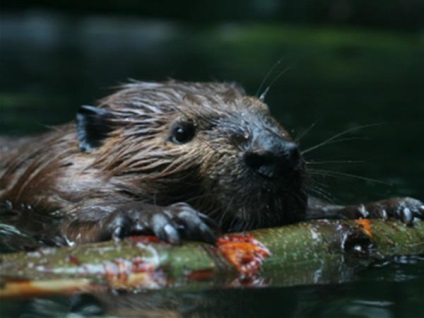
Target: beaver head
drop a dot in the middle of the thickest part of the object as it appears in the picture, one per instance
(207, 144)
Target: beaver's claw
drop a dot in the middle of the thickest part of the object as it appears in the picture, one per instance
(405, 209)
(170, 223)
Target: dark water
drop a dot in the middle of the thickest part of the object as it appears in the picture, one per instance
(394, 290)
(338, 79)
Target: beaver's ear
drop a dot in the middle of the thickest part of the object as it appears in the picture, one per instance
(93, 126)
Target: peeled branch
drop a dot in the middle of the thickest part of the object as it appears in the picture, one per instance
(320, 251)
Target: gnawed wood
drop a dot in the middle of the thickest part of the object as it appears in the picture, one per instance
(319, 251)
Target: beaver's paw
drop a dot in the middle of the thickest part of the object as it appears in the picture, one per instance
(405, 209)
(170, 223)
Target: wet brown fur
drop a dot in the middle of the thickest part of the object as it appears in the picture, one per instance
(137, 161)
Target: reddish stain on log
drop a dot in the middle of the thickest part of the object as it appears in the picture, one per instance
(25, 289)
(144, 239)
(74, 260)
(200, 275)
(119, 273)
(366, 226)
(139, 265)
(243, 251)
(119, 270)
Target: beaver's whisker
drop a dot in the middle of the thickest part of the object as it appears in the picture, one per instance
(213, 215)
(330, 142)
(227, 211)
(337, 136)
(267, 75)
(306, 131)
(262, 96)
(347, 175)
(284, 71)
(321, 193)
(321, 162)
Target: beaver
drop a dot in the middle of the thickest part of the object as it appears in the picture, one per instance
(179, 160)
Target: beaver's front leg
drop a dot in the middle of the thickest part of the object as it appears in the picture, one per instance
(169, 223)
(405, 209)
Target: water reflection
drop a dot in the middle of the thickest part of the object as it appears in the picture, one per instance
(364, 297)
(369, 293)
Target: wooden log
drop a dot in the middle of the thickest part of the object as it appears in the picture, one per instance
(319, 251)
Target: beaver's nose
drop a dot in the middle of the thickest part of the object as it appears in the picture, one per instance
(273, 157)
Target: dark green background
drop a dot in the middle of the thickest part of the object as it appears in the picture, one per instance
(350, 63)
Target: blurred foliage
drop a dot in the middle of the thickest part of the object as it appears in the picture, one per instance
(322, 67)
(407, 14)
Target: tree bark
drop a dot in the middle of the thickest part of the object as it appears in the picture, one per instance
(320, 251)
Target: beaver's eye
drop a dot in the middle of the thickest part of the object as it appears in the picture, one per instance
(182, 133)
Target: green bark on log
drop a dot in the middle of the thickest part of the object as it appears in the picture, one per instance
(319, 251)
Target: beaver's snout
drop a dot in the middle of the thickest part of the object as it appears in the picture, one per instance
(273, 157)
